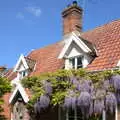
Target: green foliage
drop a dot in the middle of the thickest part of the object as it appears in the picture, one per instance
(80, 72)
(62, 73)
(37, 91)
(29, 81)
(95, 77)
(107, 74)
(58, 97)
(116, 71)
(4, 88)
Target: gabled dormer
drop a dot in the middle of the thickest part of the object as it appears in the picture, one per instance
(22, 68)
(77, 52)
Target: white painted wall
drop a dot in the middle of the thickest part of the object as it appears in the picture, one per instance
(21, 68)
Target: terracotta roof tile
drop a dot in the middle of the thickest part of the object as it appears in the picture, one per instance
(107, 41)
(47, 58)
(10, 74)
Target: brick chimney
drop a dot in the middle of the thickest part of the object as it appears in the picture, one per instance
(72, 19)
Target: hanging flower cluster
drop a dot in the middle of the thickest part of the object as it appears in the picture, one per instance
(42, 103)
(70, 100)
(44, 100)
(91, 92)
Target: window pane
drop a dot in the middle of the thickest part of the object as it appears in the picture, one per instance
(79, 62)
(71, 114)
(72, 62)
(24, 73)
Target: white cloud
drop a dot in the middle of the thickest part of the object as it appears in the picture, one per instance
(20, 15)
(29, 14)
(36, 11)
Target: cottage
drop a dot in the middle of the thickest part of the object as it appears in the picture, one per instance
(95, 50)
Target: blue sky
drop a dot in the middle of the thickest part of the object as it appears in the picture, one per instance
(29, 24)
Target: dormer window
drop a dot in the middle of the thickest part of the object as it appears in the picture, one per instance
(77, 52)
(76, 62)
(72, 62)
(22, 74)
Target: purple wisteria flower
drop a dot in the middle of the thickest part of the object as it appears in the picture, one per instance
(106, 84)
(118, 96)
(116, 81)
(70, 100)
(47, 87)
(42, 103)
(91, 109)
(98, 106)
(100, 93)
(85, 86)
(74, 80)
(37, 109)
(84, 101)
(111, 102)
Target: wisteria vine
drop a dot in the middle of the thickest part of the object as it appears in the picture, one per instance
(91, 92)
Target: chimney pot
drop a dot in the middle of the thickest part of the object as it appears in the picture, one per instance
(74, 2)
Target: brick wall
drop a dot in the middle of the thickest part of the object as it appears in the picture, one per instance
(6, 106)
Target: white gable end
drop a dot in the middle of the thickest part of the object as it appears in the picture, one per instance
(22, 67)
(22, 92)
(74, 52)
(77, 49)
(73, 38)
(20, 62)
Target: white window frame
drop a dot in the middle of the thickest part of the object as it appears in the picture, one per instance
(21, 75)
(76, 61)
(75, 114)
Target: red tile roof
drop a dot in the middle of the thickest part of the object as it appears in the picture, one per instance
(47, 58)
(10, 74)
(106, 38)
(107, 41)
